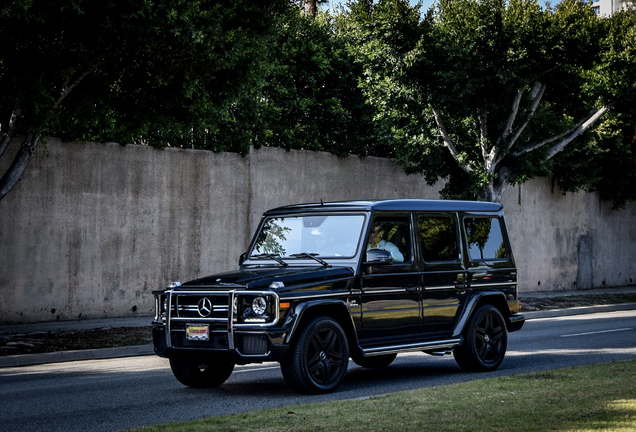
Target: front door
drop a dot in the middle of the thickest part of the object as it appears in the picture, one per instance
(390, 301)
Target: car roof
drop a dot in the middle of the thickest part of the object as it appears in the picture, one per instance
(391, 205)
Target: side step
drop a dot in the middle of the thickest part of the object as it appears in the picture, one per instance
(432, 347)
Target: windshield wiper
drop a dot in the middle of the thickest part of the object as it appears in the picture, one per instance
(274, 257)
(313, 256)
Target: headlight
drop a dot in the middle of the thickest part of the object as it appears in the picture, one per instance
(255, 308)
(161, 306)
(259, 306)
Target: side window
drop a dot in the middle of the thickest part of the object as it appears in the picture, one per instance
(392, 235)
(438, 238)
(485, 239)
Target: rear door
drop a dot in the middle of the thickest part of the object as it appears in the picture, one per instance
(444, 276)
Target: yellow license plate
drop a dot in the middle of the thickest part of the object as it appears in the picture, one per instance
(195, 332)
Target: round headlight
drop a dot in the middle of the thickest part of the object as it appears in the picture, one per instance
(259, 305)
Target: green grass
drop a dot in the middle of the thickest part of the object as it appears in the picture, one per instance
(590, 398)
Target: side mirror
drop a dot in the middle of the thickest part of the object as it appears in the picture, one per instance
(378, 257)
(242, 258)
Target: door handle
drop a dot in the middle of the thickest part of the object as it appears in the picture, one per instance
(412, 288)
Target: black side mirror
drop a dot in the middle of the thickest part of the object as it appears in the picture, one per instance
(242, 258)
(378, 257)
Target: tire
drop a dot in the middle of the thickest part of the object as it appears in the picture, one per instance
(375, 362)
(201, 373)
(485, 341)
(318, 359)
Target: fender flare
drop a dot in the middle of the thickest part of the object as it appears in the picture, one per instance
(337, 309)
(496, 298)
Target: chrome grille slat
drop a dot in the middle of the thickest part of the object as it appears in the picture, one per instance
(187, 305)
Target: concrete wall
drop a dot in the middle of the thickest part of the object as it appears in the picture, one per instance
(569, 241)
(92, 229)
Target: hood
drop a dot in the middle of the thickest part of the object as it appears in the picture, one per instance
(261, 278)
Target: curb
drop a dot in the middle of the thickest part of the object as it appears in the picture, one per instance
(582, 310)
(143, 350)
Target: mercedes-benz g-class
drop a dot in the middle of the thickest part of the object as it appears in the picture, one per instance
(323, 283)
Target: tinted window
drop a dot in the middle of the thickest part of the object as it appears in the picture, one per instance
(438, 238)
(391, 235)
(485, 239)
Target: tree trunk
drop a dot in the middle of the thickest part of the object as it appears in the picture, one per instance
(494, 190)
(14, 173)
(311, 7)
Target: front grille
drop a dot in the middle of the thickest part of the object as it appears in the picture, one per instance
(193, 306)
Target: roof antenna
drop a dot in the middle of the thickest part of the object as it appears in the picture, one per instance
(321, 203)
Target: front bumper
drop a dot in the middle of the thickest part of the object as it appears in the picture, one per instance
(243, 347)
(226, 321)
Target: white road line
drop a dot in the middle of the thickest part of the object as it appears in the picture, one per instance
(597, 332)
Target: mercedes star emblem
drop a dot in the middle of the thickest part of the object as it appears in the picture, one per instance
(205, 307)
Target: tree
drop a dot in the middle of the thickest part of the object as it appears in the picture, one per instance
(311, 6)
(488, 93)
(135, 68)
(311, 99)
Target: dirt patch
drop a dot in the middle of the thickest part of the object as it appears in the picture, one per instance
(37, 343)
(529, 304)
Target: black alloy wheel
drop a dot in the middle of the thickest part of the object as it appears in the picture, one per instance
(485, 341)
(318, 360)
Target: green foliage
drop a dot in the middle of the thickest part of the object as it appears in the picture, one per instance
(385, 38)
(310, 99)
(154, 72)
(215, 75)
(487, 93)
(465, 91)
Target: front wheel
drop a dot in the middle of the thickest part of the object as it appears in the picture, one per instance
(318, 360)
(201, 373)
(485, 341)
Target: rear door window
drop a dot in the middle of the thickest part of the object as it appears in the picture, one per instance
(485, 239)
(438, 238)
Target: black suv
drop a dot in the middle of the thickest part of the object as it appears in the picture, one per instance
(366, 280)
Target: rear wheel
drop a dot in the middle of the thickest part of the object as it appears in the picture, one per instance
(201, 373)
(485, 341)
(318, 360)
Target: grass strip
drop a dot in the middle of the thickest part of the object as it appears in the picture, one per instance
(589, 398)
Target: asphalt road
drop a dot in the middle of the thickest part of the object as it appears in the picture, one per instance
(109, 395)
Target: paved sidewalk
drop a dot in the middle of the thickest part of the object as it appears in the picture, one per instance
(104, 353)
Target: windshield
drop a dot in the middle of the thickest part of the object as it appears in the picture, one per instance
(330, 236)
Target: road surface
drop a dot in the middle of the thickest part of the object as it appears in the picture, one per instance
(110, 395)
